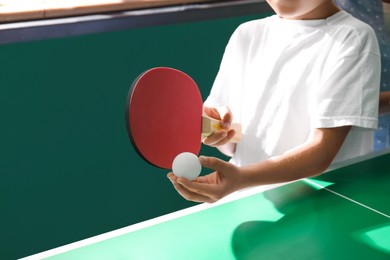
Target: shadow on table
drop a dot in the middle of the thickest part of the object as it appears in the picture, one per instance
(316, 225)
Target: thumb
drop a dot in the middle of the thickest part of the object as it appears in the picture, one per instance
(214, 164)
(212, 112)
(226, 116)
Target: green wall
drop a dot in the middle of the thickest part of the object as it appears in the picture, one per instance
(67, 168)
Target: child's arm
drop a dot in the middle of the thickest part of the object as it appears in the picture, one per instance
(309, 159)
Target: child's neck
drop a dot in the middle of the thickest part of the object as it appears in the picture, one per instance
(323, 11)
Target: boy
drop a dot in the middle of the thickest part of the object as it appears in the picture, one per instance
(304, 84)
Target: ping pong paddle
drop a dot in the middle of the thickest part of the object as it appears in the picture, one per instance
(164, 116)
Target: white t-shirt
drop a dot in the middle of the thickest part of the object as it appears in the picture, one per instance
(282, 78)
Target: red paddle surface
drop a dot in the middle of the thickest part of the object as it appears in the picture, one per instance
(164, 115)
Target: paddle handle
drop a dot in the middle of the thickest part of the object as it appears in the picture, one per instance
(211, 125)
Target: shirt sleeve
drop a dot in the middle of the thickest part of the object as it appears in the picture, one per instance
(348, 93)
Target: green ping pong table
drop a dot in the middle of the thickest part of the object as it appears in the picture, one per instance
(342, 214)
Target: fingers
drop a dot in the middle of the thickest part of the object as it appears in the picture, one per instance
(212, 112)
(220, 138)
(183, 188)
(213, 163)
(197, 192)
(209, 188)
(226, 134)
(226, 117)
(221, 113)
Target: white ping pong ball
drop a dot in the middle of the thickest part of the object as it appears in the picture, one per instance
(186, 165)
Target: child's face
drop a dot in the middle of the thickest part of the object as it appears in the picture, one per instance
(301, 9)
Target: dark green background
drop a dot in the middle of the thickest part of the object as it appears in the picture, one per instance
(67, 168)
